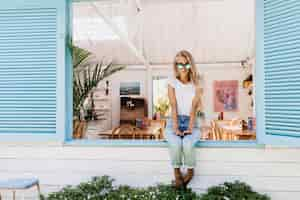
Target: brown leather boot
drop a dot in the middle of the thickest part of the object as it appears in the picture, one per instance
(178, 182)
(188, 177)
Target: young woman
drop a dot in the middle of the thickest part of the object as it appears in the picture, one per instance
(185, 98)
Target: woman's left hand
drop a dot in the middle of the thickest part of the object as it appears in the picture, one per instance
(187, 132)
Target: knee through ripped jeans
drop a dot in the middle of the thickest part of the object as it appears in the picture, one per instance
(182, 149)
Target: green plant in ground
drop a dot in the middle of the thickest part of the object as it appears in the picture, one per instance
(102, 188)
(97, 188)
(233, 191)
(158, 192)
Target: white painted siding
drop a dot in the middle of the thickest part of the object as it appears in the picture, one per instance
(272, 171)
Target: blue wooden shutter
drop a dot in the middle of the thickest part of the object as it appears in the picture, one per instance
(32, 64)
(278, 56)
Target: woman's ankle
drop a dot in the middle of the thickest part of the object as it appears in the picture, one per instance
(177, 172)
(189, 175)
(178, 177)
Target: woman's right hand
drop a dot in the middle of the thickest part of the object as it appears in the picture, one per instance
(178, 132)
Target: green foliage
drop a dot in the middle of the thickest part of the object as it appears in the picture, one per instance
(80, 57)
(87, 79)
(102, 188)
(159, 192)
(162, 106)
(97, 188)
(232, 191)
(86, 75)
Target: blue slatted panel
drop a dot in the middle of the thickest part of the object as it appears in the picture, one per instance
(282, 67)
(28, 60)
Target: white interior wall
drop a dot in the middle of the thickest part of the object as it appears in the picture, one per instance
(209, 72)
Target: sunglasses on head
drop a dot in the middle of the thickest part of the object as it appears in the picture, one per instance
(181, 65)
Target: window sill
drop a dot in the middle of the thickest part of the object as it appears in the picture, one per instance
(153, 143)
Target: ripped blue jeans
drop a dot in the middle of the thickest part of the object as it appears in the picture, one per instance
(182, 149)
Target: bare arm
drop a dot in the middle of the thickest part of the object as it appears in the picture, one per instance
(196, 102)
(173, 103)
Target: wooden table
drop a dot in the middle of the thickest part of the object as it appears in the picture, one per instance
(239, 133)
(151, 132)
(106, 134)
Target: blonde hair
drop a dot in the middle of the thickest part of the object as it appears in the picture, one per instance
(193, 74)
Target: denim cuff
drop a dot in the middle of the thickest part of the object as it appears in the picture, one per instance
(189, 167)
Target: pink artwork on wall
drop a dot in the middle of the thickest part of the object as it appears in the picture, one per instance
(226, 96)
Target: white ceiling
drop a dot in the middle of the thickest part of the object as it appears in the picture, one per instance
(213, 30)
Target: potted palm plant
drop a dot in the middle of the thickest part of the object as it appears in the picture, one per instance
(86, 76)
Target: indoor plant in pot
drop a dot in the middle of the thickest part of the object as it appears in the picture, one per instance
(86, 76)
(161, 108)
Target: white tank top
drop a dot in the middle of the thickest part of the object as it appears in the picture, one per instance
(184, 95)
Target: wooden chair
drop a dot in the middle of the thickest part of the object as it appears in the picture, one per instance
(125, 131)
(154, 129)
(161, 123)
(79, 128)
(218, 133)
(213, 131)
(206, 133)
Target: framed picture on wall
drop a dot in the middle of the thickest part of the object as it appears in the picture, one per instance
(130, 88)
(226, 96)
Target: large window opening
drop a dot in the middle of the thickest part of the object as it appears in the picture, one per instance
(123, 54)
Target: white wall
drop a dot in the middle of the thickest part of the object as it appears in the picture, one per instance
(226, 72)
(209, 72)
(272, 171)
(125, 76)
